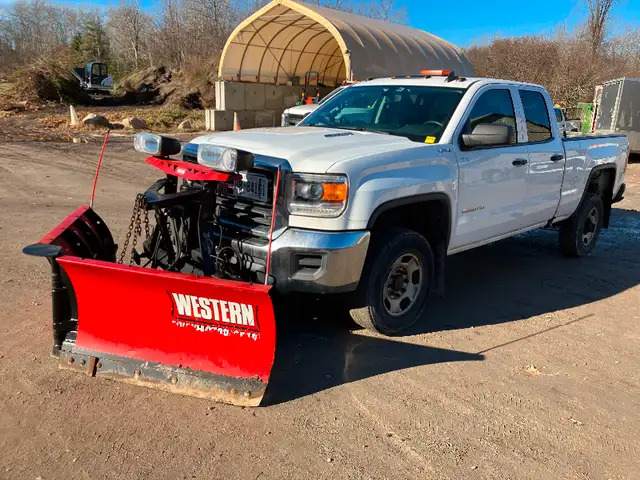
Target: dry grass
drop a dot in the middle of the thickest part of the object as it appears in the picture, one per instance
(51, 123)
(5, 88)
(163, 119)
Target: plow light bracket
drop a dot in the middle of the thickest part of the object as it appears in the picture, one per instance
(156, 145)
(224, 159)
(188, 170)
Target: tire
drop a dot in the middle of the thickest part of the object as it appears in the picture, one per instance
(395, 284)
(579, 233)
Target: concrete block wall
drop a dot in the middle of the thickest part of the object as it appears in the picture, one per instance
(222, 120)
(238, 96)
(254, 96)
(257, 104)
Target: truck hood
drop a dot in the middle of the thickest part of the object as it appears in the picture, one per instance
(308, 149)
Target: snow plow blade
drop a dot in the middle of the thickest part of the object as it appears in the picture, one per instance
(182, 333)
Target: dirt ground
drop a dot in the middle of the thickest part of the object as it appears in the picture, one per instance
(528, 369)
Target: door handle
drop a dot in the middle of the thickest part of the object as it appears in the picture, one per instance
(557, 157)
(519, 162)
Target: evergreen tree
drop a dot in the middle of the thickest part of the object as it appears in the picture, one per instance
(94, 43)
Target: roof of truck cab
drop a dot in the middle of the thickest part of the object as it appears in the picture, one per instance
(441, 81)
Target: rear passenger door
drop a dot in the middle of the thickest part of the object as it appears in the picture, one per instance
(492, 178)
(546, 157)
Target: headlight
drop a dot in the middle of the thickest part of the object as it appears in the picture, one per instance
(317, 195)
(223, 158)
(156, 144)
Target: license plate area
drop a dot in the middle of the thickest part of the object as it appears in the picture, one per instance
(252, 186)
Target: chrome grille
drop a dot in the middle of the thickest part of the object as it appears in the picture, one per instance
(293, 119)
(249, 218)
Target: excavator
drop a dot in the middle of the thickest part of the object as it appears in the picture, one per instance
(94, 78)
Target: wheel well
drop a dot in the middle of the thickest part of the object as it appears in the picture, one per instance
(430, 217)
(601, 183)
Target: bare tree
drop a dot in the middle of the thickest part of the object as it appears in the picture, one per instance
(35, 28)
(380, 9)
(598, 16)
(627, 48)
(386, 10)
(170, 47)
(526, 59)
(129, 32)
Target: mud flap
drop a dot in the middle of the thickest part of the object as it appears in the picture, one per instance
(187, 334)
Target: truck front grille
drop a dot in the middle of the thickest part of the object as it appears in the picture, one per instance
(245, 221)
(293, 119)
(248, 219)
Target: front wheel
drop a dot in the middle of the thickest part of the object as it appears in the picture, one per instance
(579, 233)
(395, 285)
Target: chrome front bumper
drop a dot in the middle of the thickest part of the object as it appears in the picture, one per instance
(318, 261)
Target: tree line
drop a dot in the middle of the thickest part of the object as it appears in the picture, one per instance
(184, 33)
(188, 35)
(570, 65)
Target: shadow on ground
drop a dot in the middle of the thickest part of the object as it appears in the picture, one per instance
(511, 280)
(527, 276)
(323, 354)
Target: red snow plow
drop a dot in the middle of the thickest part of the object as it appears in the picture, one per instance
(190, 312)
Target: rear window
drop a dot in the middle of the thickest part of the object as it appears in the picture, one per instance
(536, 114)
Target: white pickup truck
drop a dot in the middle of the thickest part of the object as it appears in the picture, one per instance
(387, 178)
(294, 115)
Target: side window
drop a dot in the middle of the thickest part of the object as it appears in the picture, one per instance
(536, 114)
(494, 107)
(557, 111)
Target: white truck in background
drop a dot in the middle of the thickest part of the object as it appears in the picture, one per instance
(294, 115)
(389, 176)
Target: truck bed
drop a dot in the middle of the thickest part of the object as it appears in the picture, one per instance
(592, 136)
(583, 154)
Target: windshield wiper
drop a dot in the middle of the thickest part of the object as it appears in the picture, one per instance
(362, 129)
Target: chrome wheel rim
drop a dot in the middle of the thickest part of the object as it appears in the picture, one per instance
(402, 285)
(590, 226)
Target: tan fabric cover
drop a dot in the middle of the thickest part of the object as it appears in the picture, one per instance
(285, 39)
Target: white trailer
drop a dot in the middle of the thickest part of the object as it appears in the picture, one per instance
(617, 109)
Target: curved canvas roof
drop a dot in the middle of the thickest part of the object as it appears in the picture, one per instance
(285, 39)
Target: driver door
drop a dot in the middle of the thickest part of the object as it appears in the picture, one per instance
(492, 178)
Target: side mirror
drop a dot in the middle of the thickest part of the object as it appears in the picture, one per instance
(487, 135)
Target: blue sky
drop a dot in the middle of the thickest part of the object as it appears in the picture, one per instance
(477, 21)
(467, 22)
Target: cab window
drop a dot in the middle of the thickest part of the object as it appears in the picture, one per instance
(557, 111)
(494, 107)
(536, 114)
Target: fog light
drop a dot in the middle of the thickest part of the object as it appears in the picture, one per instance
(224, 159)
(156, 145)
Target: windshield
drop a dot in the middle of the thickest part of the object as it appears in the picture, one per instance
(331, 94)
(419, 113)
